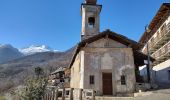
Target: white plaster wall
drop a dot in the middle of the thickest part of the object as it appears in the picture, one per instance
(82, 69)
(125, 67)
(162, 66)
(106, 62)
(161, 72)
(92, 65)
(119, 61)
(106, 43)
(75, 73)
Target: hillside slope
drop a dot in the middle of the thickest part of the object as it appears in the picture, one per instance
(15, 72)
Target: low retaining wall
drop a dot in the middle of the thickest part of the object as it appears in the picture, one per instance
(69, 94)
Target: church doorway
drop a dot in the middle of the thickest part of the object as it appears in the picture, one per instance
(107, 84)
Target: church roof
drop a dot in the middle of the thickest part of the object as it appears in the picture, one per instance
(112, 35)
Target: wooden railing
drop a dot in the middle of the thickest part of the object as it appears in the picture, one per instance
(69, 94)
(162, 51)
(154, 43)
(157, 26)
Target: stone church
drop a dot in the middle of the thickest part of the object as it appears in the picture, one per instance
(104, 61)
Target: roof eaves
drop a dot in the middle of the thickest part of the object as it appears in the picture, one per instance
(146, 33)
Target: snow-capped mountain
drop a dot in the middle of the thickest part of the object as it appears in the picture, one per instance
(36, 49)
(8, 52)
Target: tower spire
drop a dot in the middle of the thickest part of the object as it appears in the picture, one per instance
(90, 18)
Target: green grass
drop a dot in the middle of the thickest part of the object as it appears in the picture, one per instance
(2, 97)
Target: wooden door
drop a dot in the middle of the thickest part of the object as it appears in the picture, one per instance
(107, 84)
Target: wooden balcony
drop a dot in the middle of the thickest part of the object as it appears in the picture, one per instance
(160, 40)
(162, 54)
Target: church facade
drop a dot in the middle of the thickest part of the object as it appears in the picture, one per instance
(104, 61)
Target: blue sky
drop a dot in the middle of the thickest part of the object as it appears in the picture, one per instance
(57, 23)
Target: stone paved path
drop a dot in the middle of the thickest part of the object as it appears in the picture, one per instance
(154, 96)
(163, 94)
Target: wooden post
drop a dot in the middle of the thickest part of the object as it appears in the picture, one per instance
(52, 95)
(93, 95)
(71, 94)
(63, 94)
(80, 94)
(43, 98)
(47, 96)
(56, 94)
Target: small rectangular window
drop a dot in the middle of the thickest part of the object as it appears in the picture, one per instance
(123, 80)
(67, 92)
(91, 79)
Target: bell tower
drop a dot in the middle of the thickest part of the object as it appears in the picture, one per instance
(90, 12)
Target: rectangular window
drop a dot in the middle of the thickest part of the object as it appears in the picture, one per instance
(91, 79)
(123, 80)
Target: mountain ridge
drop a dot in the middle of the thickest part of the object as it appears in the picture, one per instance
(18, 70)
(8, 52)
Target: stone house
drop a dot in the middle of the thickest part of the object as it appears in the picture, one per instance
(104, 61)
(60, 78)
(157, 42)
(56, 77)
